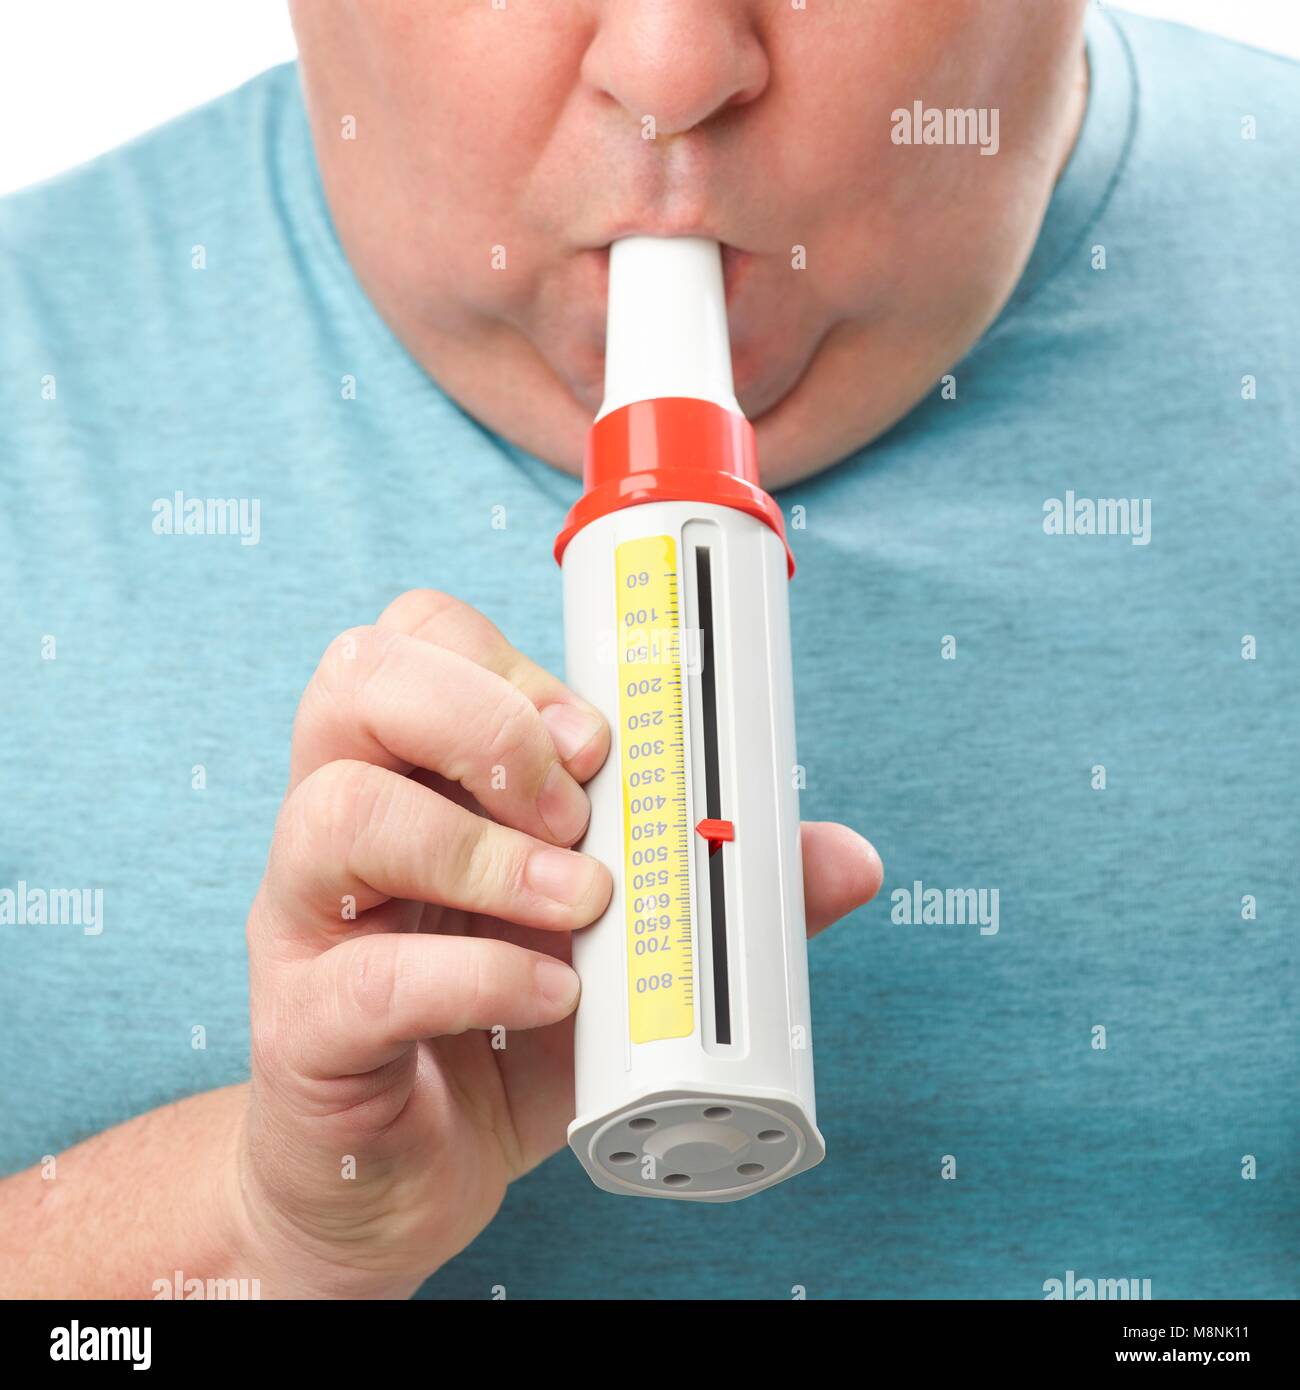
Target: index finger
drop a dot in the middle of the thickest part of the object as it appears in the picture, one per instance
(577, 728)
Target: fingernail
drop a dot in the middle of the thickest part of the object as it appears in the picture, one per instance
(557, 982)
(560, 874)
(563, 805)
(570, 728)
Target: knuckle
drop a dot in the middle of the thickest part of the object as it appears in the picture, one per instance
(345, 652)
(445, 620)
(518, 669)
(366, 980)
(331, 803)
(356, 658)
(474, 986)
(374, 672)
(418, 611)
(341, 669)
(511, 729)
(485, 870)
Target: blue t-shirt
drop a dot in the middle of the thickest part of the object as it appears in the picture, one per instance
(1045, 637)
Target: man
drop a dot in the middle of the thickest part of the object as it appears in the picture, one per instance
(1011, 314)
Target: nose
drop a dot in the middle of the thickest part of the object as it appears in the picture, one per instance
(680, 61)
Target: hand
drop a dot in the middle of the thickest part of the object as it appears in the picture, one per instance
(419, 893)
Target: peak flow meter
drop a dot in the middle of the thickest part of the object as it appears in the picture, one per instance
(693, 1048)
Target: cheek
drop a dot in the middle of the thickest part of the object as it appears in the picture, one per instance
(865, 205)
(478, 128)
(843, 196)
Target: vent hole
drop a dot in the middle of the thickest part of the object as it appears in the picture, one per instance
(622, 1157)
(771, 1136)
(676, 1180)
(641, 1122)
(717, 1112)
(750, 1170)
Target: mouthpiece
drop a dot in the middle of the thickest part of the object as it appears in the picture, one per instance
(666, 334)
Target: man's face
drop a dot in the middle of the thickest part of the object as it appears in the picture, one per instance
(501, 145)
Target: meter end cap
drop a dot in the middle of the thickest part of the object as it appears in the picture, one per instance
(702, 1148)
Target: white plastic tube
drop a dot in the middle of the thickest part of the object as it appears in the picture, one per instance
(666, 332)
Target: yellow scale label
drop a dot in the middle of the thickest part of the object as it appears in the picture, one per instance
(656, 818)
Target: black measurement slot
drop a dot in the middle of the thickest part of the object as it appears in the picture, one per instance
(713, 795)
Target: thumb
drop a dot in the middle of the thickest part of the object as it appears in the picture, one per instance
(841, 871)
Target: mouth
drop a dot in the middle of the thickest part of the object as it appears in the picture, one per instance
(736, 264)
(589, 294)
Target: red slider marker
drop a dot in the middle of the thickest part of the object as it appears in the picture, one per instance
(716, 832)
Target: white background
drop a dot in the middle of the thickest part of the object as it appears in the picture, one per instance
(80, 76)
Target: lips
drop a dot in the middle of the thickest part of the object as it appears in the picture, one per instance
(588, 295)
